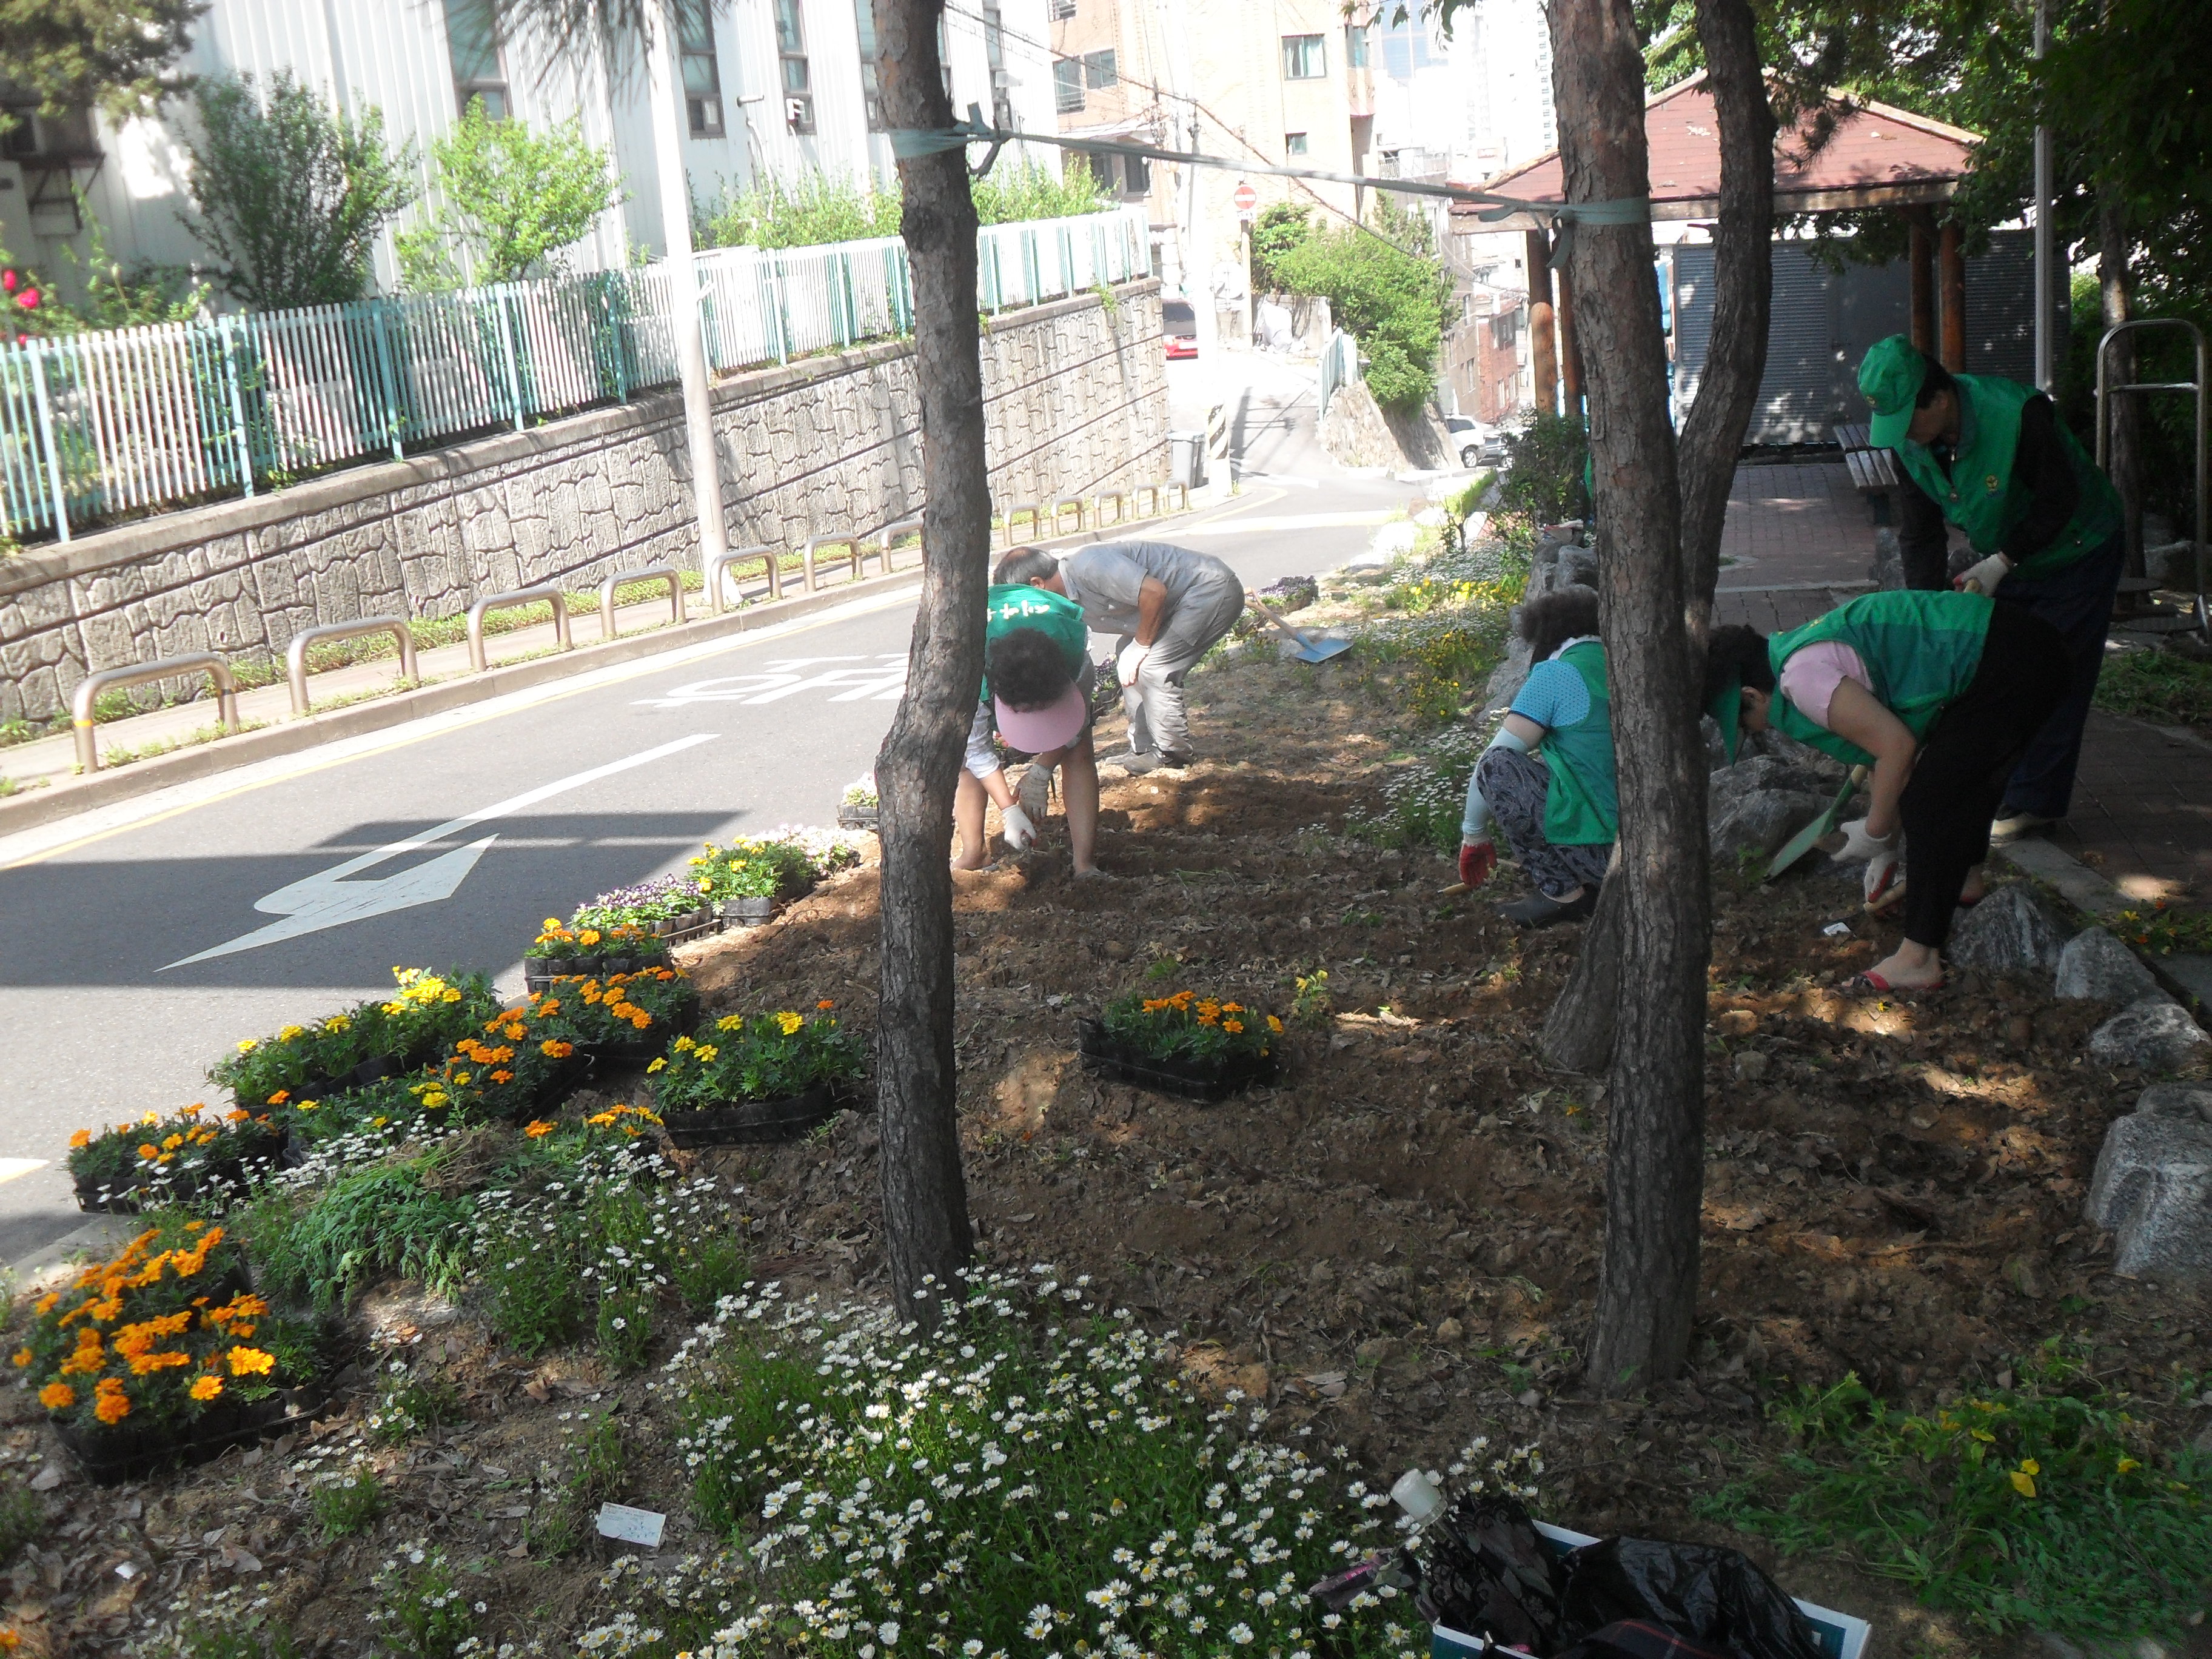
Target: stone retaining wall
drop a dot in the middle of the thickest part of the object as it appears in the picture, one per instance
(1075, 397)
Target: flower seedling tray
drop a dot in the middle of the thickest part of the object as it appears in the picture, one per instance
(538, 972)
(752, 1122)
(111, 1456)
(1207, 1081)
(124, 1200)
(374, 1069)
(748, 912)
(857, 817)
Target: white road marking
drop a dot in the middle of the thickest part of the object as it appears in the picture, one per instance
(883, 682)
(1289, 521)
(12, 1167)
(329, 899)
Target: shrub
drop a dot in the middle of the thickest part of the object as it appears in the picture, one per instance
(330, 1244)
(1545, 456)
(512, 198)
(2156, 685)
(164, 1333)
(1391, 301)
(768, 1057)
(290, 197)
(2047, 1504)
(1032, 1474)
(1187, 1026)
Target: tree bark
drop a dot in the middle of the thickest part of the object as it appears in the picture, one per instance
(1648, 1281)
(1577, 1034)
(925, 1226)
(2115, 287)
(1743, 293)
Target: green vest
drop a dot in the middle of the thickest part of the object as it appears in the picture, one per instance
(1921, 650)
(1581, 806)
(1011, 604)
(1978, 495)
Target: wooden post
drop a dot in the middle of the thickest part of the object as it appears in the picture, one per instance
(1951, 256)
(1571, 357)
(1544, 356)
(1920, 260)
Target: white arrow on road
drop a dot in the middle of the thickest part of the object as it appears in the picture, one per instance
(330, 900)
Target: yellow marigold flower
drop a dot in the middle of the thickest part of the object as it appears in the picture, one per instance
(461, 1079)
(658, 1065)
(1274, 1025)
(589, 935)
(727, 1023)
(552, 924)
(708, 1053)
(555, 1049)
(206, 1388)
(247, 1045)
(58, 1396)
(537, 1130)
(790, 1022)
(81, 1138)
(451, 995)
(512, 1032)
(2128, 1466)
(683, 1045)
(291, 1031)
(173, 1143)
(434, 1098)
(246, 1362)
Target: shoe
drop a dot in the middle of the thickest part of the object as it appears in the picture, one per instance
(1154, 760)
(1542, 910)
(2014, 825)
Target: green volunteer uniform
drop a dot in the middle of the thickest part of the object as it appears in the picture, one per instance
(1976, 494)
(1011, 606)
(1582, 807)
(1921, 650)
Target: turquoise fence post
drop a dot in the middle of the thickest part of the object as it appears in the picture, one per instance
(782, 310)
(508, 349)
(55, 485)
(841, 296)
(609, 309)
(387, 376)
(241, 440)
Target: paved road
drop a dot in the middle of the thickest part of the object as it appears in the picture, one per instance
(138, 944)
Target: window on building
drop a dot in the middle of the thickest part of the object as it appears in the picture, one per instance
(1137, 175)
(703, 76)
(1355, 45)
(1099, 71)
(1294, 144)
(1405, 48)
(1062, 10)
(472, 48)
(871, 76)
(994, 54)
(798, 82)
(1067, 85)
(1304, 57)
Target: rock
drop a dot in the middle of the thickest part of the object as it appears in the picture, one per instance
(1758, 803)
(2156, 1034)
(2016, 930)
(2190, 1103)
(2097, 967)
(2153, 1191)
(48, 1477)
(1507, 678)
(1577, 567)
(1390, 541)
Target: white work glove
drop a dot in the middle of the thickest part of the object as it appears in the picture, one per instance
(1881, 874)
(1131, 660)
(1983, 578)
(1859, 844)
(1019, 831)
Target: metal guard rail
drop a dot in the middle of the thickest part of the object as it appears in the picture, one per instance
(651, 573)
(719, 565)
(296, 654)
(216, 666)
(521, 596)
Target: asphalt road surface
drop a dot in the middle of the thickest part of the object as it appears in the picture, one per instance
(139, 942)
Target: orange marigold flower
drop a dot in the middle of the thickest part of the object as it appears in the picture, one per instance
(502, 1076)
(147, 1363)
(825, 1003)
(537, 1130)
(81, 1138)
(280, 1097)
(110, 1404)
(236, 1115)
(23, 1357)
(206, 1388)
(1274, 1025)
(1232, 1026)
(9, 1641)
(555, 1049)
(250, 1362)
(149, 1150)
(512, 1032)
(639, 1018)
(58, 1396)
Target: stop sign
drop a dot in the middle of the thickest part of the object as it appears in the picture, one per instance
(1247, 199)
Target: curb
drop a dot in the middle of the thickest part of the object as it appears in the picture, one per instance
(102, 1235)
(60, 800)
(2188, 978)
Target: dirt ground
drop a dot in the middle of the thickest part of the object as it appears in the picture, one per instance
(1397, 1243)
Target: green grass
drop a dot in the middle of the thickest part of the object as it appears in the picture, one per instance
(2047, 1504)
(2156, 686)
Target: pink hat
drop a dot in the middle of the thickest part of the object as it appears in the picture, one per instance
(1041, 731)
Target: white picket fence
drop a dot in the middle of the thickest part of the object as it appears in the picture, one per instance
(126, 421)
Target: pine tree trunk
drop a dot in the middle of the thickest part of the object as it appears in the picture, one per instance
(1578, 1033)
(1743, 292)
(2123, 460)
(925, 1226)
(1648, 1281)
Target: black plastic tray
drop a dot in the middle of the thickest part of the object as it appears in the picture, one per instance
(1107, 1055)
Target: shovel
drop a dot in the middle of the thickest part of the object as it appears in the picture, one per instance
(1309, 650)
(1803, 843)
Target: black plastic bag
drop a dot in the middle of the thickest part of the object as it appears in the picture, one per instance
(1486, 1570)
(1716, 1597)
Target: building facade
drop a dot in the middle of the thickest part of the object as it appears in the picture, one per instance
(772, 90)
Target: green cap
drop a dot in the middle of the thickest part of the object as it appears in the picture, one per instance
(1727, 710)
(1890, 374)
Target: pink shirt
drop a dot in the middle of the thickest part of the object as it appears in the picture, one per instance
(1809, 679)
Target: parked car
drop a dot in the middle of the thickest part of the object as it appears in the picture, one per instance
(1179, 323)
(1478, 444)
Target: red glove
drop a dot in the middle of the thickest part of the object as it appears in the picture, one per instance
(1476, 862)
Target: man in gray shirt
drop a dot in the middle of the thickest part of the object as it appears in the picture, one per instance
(1167, 604)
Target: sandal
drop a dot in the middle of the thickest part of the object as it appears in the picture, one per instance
(1871, 982)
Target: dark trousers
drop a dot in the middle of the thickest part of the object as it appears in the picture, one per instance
(1517, 787)
(2078, 603)
(1958, 777)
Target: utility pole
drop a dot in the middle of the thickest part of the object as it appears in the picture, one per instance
(2047, 272)
(683, 282)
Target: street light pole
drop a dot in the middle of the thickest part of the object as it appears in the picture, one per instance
(683, 284)
(2046, 273)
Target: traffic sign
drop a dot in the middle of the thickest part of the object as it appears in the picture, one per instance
(1247, 199)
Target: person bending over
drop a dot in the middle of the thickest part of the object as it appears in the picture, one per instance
(1548, 774)
(1940, 693)
(1037, 686)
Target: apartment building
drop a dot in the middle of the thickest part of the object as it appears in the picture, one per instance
(772, 90)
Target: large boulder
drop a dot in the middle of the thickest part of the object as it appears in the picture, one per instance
(2153, 1193)
(2097, 967)
(2190, 1103)
(1756, 805)
(2016, 930)
(2156, 1034)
